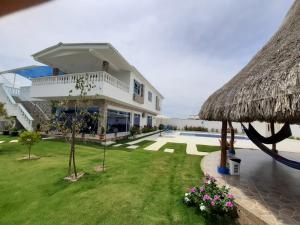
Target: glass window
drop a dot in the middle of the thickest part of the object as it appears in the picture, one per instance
(149, 96)
(149, 121)
(91, 125)
(137, 88)
(137, 120)
(117, 121)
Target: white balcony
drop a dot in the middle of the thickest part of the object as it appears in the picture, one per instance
(53, 87)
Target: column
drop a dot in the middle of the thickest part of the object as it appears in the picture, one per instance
(222, 169)
(102, 121)
(272, 133)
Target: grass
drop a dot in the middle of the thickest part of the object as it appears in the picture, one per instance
(138, 187)
(207, 148)
(7, 138)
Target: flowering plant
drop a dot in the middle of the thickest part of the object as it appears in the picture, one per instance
(211, 199)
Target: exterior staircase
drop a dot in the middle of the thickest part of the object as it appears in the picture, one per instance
(28, 113)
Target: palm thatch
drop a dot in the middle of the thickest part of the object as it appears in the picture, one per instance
(268, 88)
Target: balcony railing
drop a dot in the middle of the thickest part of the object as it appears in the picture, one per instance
(92, 77)
(12, 91)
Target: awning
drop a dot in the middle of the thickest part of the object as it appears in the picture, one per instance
(31, 71)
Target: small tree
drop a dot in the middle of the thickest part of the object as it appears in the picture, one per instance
(75, 123)
(29, 138)
(161, 127)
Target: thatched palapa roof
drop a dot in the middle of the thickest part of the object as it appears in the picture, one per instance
(268, 88)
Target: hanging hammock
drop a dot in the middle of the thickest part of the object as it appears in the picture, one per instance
(284, 133)
(274, 155)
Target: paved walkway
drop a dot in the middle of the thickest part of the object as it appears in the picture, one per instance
(287, 145)
(266, 188)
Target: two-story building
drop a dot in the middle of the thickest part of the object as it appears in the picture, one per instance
(121, 92)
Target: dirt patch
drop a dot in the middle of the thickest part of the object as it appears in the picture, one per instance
(72, 177)
(32, 157)
(99, 168)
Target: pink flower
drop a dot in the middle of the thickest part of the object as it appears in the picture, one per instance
(202, 189)
(229, 204)
(206, 197)
(212, 203)
(216, 197)
(207, 182)
(193, 190)
(229, 196)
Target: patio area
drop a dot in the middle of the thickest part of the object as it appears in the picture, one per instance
(266, 189)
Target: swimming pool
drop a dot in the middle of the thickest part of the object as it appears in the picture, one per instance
(210, 135)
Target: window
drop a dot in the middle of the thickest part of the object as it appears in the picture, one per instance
(157, 103)
(91, 125)
(149, 121)
(136, 120)
(117, 121)
(149, 96)
(137, 88)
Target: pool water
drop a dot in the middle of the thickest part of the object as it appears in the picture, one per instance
(210, 135)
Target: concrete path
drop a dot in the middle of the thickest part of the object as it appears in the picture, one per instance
(149, 138)
(155, 146)
(191, 149)
(287, 145)
(132, 146)
(169, 150)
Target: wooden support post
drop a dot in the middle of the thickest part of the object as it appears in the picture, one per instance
(231, 136)
(223, 144)
(272, 133)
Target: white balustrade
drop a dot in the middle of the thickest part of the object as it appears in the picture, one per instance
(16, 109)
(12, 91)
(93, 77)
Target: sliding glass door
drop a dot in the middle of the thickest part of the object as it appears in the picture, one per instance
(118, 121)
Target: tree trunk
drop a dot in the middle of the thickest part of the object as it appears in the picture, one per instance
(29, 151)
(223, 144)
(70, 160)
(272, 133)
(231, 136)
(74, 164)
(103, 161)
(73, 150)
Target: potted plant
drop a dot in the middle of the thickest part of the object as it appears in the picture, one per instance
(102, 133)
(134, 131)
(6, 130)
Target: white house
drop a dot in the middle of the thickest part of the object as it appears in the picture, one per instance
(125, 96)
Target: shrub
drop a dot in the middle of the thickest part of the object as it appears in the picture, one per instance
(146, 129)
(211, 199)
(134, 131)
(29, 138)
(204, 129)
(161, 127)
(14, 132)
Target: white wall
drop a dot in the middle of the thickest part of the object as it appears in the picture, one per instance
(151, 105)
(262, 128)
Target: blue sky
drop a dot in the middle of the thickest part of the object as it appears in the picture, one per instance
(187, 49)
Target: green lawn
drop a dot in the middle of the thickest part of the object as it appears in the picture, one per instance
(207, 148)
(7, 138)
(139, 187)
